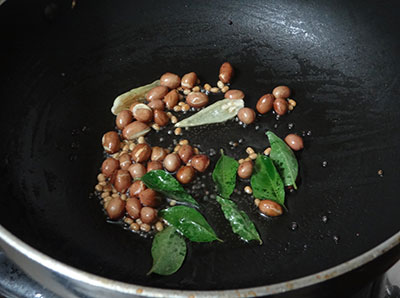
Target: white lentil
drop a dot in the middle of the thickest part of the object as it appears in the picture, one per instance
(134, 226)
(253, 156)
(159, 226)
(101, 177)
(292, 102)
(225, 89)
(220, 85)
(183, 142)
(207, 87)
(248, 190)
(156, 127)
(249, 150)
(178, 131)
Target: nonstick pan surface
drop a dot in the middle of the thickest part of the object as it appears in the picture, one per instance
(62, 68)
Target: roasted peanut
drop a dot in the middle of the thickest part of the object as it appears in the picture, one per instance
(172, 162)
(142, 113)
(111, 142)
(156, 104)
(245, 169)
(157, 93)
(185, 174)
(171, 99)
(270, 208)
(281, 106)
(185, 153)
(234, 94)
(125, 161)
(265, 103)
(158, 154)
(149, 198)
(197, 99)
(246, 115)
(109, 166)
(123, 181)
(115, 208)
(137, 170)
(170, 80)
(154, 165)
(161, 118)
(148, 215)
(123, 119)
(136, 188)
(281, 92)
(133, 207)
(294, 141)
(200, 162)
(134, 130)
(189, 80)
(141, 153)
(226, 72)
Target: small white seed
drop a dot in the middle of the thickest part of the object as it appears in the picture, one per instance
(207, 87)
(225, 89)
(253, 156)
(248, 190)
(178, 131)
(249, 150)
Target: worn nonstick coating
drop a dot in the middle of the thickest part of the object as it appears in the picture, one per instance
(61, 68)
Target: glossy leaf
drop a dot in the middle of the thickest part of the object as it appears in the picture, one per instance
(266, 182)
(224, 175)
(190, 223)
(240, 222)
(284, 159)
(168, 251)
(220, 111)
(166, 184)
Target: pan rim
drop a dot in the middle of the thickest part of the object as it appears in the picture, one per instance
(138, 290)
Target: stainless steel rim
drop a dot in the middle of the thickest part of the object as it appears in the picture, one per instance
(125, 288)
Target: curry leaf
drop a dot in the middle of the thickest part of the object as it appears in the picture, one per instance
(240, 222)
(284, 159)
(224, 175)
(166, 184)
(266, 182)
(190, 223)
(168, 251)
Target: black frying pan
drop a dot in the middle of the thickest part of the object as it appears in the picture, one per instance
(61, 68)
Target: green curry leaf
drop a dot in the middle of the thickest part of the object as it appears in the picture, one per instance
(266, 182)
(190, 223)
(284, 159)
(224, 175)
(240, 222)
(166, 184)
(168, 251)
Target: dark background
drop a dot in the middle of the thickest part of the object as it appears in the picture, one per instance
(61, 69)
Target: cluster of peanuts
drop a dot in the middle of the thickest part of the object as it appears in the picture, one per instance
(126, 197)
